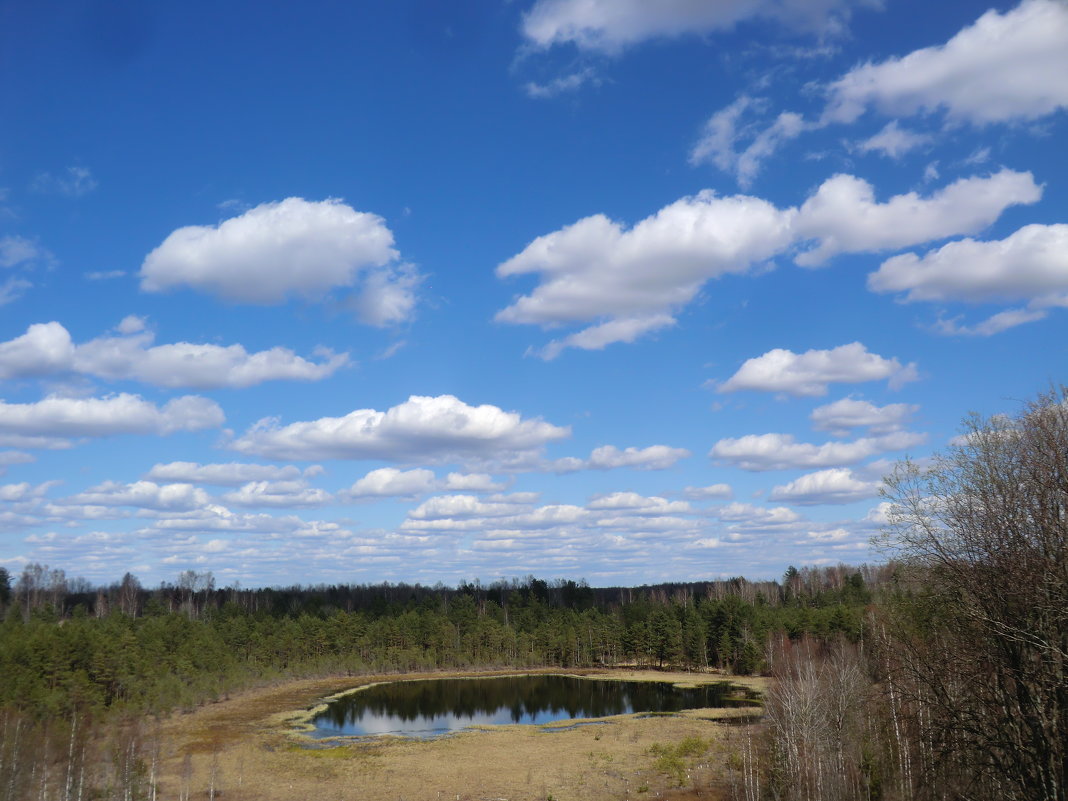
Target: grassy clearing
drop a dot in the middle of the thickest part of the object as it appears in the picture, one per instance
(250, 748)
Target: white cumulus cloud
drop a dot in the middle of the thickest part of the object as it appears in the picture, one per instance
(609, 457)
(625, 283)
(293, 247)
(810, 373)
(1003, 68)
(231, 474)
(278, 494)
(471, 482)
(108, 416)
(631, 281)
(388, 482)
(837, 485)
(642, 504)
(848, 413)
(1030, 264)
(47, 348)
(844, 217)
(711, 492)
(143, 495)
(463, 506)
(422, 429)
(758, 452)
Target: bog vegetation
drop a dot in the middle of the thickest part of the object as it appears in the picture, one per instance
(938, 675)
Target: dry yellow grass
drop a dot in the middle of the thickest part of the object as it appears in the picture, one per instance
(249, 749)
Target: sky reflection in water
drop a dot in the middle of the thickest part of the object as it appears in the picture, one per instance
(434, 707)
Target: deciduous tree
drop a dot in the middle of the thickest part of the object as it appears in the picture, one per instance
(979, 649)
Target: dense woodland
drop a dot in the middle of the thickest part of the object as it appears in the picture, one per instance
(937, 676)
(82, 666)
(128, 649)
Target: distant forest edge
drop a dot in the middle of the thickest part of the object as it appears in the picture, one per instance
(67, 646)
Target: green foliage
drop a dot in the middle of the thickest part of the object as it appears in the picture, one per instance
(125, 649)
(673, 759)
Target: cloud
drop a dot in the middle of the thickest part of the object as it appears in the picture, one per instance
(1030, 264)
(56, 417)
(232, 474)
(610, 26)
(463, 506)
(631, 281)
(844, 217)
(810, 373)
(837, 485)
(750, 516)
(389, 482)
(73, 182)
(627, 283)
(422, 429)
(466, 513)
(879, 514)
(278, 494)
(1004, 68)
(598, 337)
(893, 141)
(829, 535)
(12, 289)
(719, 139)
(655, 457)
(143, 495)
(387, 296)
(20, 253)
(16, 251)
(760, 452)
(46, 348)
(565, 83)
(845, 414)
(609, 457)
(24, 491)
(471, 482)
(14, 457)
(711, 492)
(633, 502)
(994, 324)
(291, 248)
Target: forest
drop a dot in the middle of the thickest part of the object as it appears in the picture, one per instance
(939, 674)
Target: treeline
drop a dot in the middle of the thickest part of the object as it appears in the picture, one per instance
(39, 586)
(125, 648)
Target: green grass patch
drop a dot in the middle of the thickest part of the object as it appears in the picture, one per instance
(674, 759)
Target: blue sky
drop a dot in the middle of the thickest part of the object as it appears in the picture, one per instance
(423, 291)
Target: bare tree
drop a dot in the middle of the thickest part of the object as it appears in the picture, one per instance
(816, 712)
(130, 595)
(980, 645)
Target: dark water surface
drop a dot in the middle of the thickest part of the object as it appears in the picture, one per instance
(430, 708)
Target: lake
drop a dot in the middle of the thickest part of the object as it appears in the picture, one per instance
(433, 707)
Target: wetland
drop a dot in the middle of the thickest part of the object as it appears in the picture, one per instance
(435, 707)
